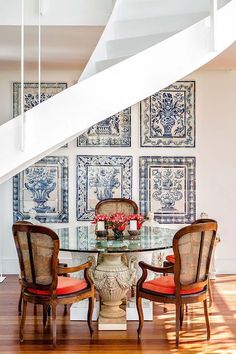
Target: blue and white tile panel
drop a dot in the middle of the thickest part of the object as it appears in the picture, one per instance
(43, 189)
(101, 177)
(167, 118)
(167, 188)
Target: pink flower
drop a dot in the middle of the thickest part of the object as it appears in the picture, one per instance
(118, 221)
(100, 217)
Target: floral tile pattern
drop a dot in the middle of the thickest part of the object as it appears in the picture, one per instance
(43, 188)
(31, 96)
(167, 188)
(101, 177)
(112, 131)
(167, 118)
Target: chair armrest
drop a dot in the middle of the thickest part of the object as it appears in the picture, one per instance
(64, 270)
(145, 267)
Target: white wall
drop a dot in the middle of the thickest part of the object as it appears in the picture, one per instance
(215, 154)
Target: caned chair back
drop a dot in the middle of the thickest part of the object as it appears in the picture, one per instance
(203, 221)
(113, 205)
(37, 248)
(192, 249)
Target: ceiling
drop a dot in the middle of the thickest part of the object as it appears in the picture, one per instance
(69, 47)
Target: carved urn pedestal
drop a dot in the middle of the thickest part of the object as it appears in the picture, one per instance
(113, 278)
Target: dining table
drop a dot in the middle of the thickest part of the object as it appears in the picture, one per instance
(115, 268)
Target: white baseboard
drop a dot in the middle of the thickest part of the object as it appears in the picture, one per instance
(79, 310)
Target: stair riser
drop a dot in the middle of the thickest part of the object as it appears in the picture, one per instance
(131, 46)
(142, 27)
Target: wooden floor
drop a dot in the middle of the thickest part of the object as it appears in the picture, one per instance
(157, 337)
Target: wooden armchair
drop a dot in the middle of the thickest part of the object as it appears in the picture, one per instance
(170, 259)
(37, 248)
(113, 205)
(192, 247)
(60, 265)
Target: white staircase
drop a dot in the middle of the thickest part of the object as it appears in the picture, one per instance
(146, 45)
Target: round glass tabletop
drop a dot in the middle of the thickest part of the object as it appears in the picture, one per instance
(84, 239)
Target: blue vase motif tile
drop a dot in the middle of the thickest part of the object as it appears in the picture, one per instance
(167, 188)
(43, 188)
(101, 177)
(113, 131)
(31, 95)
(167, 118)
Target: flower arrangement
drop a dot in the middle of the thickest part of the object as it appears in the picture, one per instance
(118, 221)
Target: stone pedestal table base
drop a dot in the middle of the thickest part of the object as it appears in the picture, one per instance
(113, 278)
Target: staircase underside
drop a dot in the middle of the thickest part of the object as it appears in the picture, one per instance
(66, 115)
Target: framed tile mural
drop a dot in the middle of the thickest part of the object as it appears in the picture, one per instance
(167, 118)
(31, 97)
(43, 188)
(113, 131)
(167, 188)
(101, 177)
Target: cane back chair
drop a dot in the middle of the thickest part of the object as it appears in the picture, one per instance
(113, 205)
(60, 265)
(192, 247)
(170, 259)
(37, 248)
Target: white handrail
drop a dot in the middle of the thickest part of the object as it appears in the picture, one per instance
(213, 23)
(22, 77)
(39, 50)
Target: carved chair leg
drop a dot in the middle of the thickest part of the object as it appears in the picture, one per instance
(140, 314)
(207, 320)
(181, 315)
(65, 310)
(186, 308)
(210, 293)
(178, 310)
(90, 314)
(54, 324)
(35, 310)
(45, 315)
(22, 323)
(20, 303)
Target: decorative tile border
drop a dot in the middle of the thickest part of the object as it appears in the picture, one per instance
(167, 118)
(167, 188)
(101, 177)
(113, 131)
(31, 97)
(43, 188)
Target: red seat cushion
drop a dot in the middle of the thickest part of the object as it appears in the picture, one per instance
(166, 285)
(65, 286)
(171, 258)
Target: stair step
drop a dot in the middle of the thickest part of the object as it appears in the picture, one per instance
(131, 46)
(154, 25)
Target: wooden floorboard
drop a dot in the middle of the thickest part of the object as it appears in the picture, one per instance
(157, 336)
